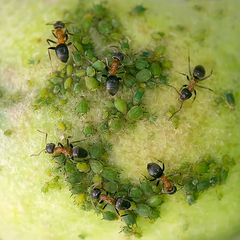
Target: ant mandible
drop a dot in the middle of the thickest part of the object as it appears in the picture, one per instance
(195, 76)
(112, 84)
(61, 33)
(155, 171)
(69, 151)
(119, 203)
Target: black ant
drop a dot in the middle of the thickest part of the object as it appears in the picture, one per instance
(119, 203)
(69, 151)
(61, 34)
(112, 84)
(155, 171)
(186, 90)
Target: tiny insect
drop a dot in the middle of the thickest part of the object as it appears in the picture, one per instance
(155, 171)
(195, 76)
(69, 151)
(119, 203)
(230, 100)
(61, 33)
(112, 84)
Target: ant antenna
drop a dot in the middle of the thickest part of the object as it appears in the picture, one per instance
(46, 135)
(36, 154)
(176, 111)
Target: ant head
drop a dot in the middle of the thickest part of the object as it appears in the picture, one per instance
(154, 170)
(79, 152)
(96, 193)
(122, 204)
(50, 147)
(199, 72)
(59, 24)
(185, 94)
(119, 56)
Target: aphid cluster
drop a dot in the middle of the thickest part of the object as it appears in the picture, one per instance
(93, 181)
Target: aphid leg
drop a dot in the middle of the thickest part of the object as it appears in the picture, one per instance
(195, 95)
(176, 111)
(49, 40)
(205, 88)
(207, 75)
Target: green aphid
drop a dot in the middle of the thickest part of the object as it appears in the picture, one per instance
(230, 100)
(91, 83)
(77, 88)
(110, 216)
(57, 89)
(141, 64)
(203, 184)
(105, 27)
(155, 200)
(83, 167)
(146, 188)
(90, 71)
(115, 124)
(86, 40)
(80, 73)
(155, 69)
(189, 186)
(135, 113)
(82, 107)
(129, 80)
(111, 187)
(97, 179)
(96, 150)
(103, 127)
(99, 65)
(191, 198)
(135, 193)
(88, 130)
(96, 166)
(69, 70)
(201, 167)
(68, 83)
(144, 75)
(8, 132)
(120, 105)
(110, 174)
(143, 210)
(56, 80)
(51, 185)
(138, 10)
(137, 98)
(129, 219)
(157, 36)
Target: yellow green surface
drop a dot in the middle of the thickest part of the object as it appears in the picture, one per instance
(210, 33)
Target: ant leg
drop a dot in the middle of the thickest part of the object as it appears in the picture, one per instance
(53, 32)
(60, 145)
(158, 181)
(174, 88)
(69, 33)
(189, 66)
(205, 88)
(49, 55)
(195, 95)
(104, 206)
(176, 111)
(49, 40)
(70, 43)
(183, 86)
(184, 74)
(207, 76)
(117, 212)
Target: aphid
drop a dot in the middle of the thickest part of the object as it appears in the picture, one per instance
(198, 74)
(119, 203)
(69, 151)
(230, 100)
(112, 84)
(155, 171)
(61, 34)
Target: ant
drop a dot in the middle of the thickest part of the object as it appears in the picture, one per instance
(198, 74)
(69, 151)
(119, 203)
(155, 171)
(61, 34)
(112, 84)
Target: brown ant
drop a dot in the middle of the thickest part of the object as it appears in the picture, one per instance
(119, 203)
(61, 34)
(186, 90)
(69, 151)
(155, 171)
(112, 84)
